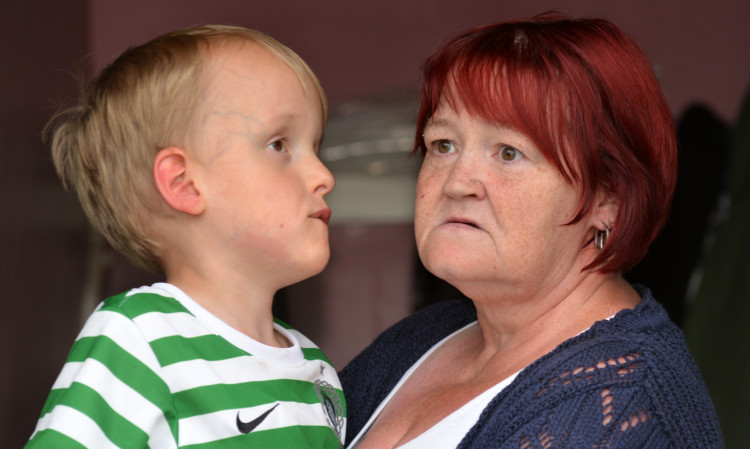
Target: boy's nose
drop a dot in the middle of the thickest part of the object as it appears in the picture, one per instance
(322, 179)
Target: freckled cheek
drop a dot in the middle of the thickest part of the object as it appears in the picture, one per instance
(427, 210)
(428, 185)
(423, 210)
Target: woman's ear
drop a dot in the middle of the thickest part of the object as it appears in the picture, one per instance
(175, 179)
(606, 212)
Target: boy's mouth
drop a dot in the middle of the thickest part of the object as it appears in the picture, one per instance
(323, 214)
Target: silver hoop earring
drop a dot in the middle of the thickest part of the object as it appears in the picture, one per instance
(601, 237)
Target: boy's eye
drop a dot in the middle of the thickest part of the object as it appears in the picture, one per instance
(508, 153)
(443, 146)
(277, 146)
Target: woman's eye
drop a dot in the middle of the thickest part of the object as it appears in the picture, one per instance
(277, 146)
(443, 146)
(508, 153)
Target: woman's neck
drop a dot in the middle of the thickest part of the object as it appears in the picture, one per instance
(535, 325)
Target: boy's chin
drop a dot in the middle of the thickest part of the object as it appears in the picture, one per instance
(313, 269)
(321, 265)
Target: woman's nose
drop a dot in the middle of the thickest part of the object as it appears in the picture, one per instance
(464, 178)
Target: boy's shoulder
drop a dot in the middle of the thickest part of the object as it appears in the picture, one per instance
(138, 301)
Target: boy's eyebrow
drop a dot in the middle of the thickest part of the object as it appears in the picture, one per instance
(283, 118)
(287, 116)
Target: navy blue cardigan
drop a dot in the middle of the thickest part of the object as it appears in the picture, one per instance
(628, 382)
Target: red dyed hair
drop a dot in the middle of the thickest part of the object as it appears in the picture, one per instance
(585, 94)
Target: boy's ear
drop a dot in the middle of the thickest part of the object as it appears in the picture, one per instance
(176, 181)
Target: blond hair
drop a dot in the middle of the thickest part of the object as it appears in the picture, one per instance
(143, 102)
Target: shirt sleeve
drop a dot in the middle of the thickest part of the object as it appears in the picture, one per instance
(109, 393)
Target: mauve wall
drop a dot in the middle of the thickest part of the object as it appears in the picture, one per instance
(41, 265)
(700, 50)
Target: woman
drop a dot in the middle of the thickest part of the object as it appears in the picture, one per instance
(549, 165)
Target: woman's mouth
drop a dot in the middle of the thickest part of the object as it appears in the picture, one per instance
(463, 221)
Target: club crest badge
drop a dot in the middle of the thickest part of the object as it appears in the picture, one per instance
(331, 403)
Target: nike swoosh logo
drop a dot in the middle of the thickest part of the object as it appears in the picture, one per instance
(247, 427)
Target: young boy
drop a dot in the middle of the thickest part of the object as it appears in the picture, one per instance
(195, 154)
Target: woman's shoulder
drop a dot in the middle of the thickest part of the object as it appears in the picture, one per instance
(642, 340)
(643, 336)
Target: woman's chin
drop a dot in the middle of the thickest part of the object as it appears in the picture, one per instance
(455, 274)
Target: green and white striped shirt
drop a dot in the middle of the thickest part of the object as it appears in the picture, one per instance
(152, 368)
